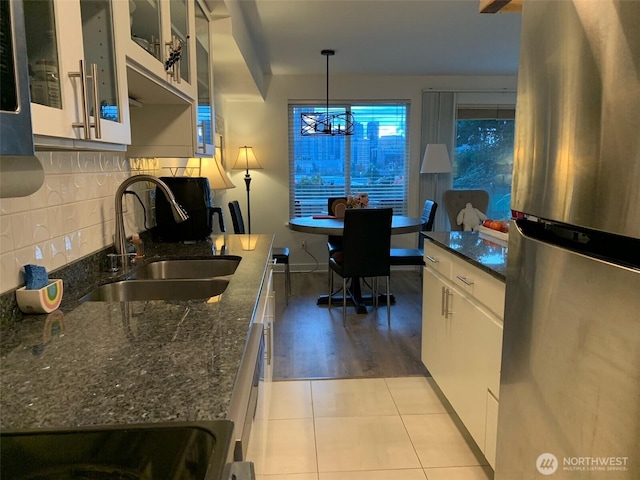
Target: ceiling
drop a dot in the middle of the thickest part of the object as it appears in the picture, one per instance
(370, 37)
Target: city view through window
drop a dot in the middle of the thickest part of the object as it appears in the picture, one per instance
(374, 160)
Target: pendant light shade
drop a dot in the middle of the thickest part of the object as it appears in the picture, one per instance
(336, 121)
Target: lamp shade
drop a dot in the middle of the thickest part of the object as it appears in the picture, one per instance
(218, 178)
(246, 160)
(436, 159)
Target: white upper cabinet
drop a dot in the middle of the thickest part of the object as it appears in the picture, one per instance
(169, 78)
(77, 75)
(205, 111)
(159, 46)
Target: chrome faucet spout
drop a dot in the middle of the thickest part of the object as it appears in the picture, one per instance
(179, 214)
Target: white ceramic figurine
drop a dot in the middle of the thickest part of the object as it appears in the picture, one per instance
(470, 217)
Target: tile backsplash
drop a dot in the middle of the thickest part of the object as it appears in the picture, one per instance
(72, 214)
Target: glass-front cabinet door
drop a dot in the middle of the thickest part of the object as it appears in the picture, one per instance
(160, 42)
(145, 20)
(205, 126)
(77, 73)
(179, 37)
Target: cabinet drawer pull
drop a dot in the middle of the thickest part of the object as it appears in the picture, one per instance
(464, 280)
(431, 259)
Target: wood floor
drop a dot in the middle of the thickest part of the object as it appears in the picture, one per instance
(310, 341)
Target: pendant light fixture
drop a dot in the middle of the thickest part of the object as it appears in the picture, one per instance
(327, 123)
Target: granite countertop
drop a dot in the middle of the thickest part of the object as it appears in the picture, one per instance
(484, 254)
(99, 363)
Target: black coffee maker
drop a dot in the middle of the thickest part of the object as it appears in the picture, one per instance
(194, 195)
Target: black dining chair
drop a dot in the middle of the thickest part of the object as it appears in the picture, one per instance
(366, 241)
(279, 254)
(334, 242)
(415, 256)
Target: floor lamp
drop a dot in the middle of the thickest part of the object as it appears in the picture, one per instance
(436, 161)
(247, 160)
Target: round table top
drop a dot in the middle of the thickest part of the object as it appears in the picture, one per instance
(334, 226)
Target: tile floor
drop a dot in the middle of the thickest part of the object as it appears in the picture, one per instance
(361, 429)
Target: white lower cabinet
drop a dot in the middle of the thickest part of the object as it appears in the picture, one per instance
(491, 434)
(462, 345)
(265, 313)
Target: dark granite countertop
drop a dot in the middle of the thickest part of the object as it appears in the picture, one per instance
(483, 253)
(99, 363)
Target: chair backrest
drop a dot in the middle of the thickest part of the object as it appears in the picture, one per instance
(366, 241)
(428, 217)
(236, 217)
(330, 201)
(456, 200)
(334, 240)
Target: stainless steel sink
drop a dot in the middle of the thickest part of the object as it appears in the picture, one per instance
(167, 450)
(140, 290)
(188, 268)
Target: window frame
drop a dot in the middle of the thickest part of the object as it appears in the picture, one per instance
(487, 112)
(318, 204)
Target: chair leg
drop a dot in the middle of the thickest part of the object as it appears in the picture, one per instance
(330, 287)
(388, 304)
(287, 282)
(344, 302)
(374, 292)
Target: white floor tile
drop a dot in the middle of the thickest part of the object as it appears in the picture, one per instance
(375, 475)
(439, 443)
(363, 443)
(459, 473)
(283, 446)
(286, 400)
(415, 395)
(352, 397)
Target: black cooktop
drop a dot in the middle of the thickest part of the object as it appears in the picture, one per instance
(185, 451)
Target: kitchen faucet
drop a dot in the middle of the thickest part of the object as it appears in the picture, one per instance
(179, 215)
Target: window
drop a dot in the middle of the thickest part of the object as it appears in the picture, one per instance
(374, 160)
(484, 155)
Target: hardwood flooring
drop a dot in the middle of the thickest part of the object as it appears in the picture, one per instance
(310, 341)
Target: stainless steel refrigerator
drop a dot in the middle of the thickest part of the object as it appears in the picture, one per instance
(570, 381)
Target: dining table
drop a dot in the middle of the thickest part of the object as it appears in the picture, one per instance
(331, 225)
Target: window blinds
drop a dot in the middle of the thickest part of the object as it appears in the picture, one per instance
(374, 160)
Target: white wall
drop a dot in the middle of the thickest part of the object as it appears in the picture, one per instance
(264, 127)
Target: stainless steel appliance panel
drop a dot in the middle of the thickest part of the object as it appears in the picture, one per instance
(570, 381)
(577, 145)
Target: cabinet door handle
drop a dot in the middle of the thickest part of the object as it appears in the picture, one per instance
(431, 259)
(442, 300)
(85, 124)
(83, 91)
(204, 137)
(96, 100)
(464, 280)
(268, 346)
(447, 310)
